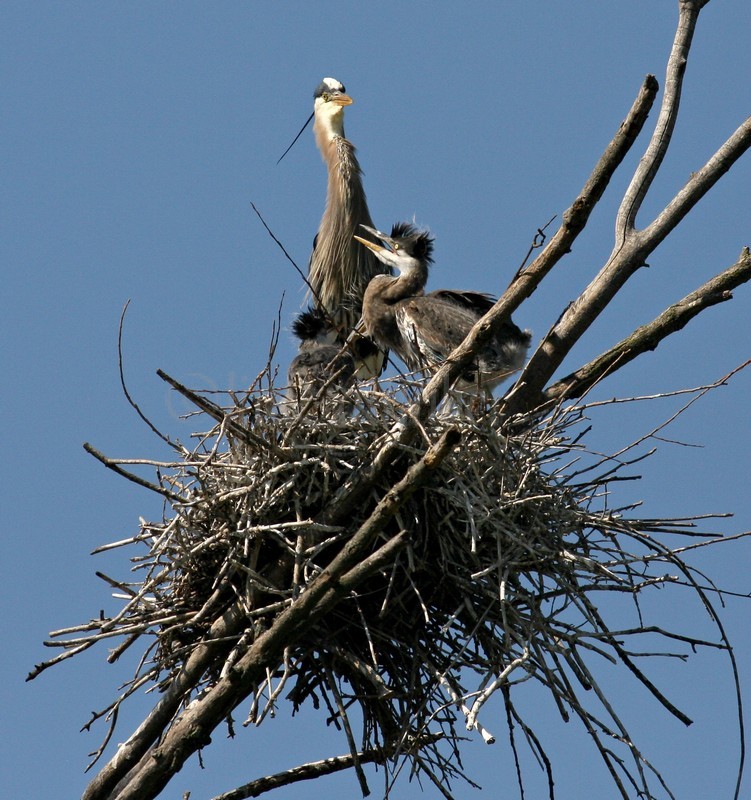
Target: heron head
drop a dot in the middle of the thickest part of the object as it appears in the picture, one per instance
(407, 248)
(328, 110)
(330, 97)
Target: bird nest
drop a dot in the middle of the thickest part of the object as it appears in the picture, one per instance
(500, 554)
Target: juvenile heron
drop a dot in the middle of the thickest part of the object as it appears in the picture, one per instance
(339, 268)
(319, 359)
(423, 329)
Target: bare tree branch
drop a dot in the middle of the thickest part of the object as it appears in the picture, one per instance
(215, 412)
(577, 215)
(632, 247)
(128, 754)
(647, 337)
(699, 184)
(114, 465)
(305, 772)
(658, 144)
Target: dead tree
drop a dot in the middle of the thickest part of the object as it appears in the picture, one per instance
(301, 550)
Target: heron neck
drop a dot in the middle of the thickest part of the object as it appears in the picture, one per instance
(327, 129)
(410, 282)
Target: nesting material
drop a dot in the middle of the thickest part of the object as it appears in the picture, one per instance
(510, 547)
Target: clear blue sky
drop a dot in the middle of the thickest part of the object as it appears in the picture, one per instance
(134, 138)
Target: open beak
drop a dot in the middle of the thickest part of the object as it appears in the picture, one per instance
(378, 234)
(376, 248)
(384, 237)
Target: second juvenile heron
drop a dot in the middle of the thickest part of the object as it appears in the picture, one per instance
(318, 361)
(423, 329)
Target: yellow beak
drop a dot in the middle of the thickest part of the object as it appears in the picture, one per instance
(376, 248)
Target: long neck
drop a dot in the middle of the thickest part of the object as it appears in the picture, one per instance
(411, 282)
(340, 268)
(327, 126)
(382, 304)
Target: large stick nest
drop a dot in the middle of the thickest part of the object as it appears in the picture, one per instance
(505, 548)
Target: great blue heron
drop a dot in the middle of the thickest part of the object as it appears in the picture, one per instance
(423, 329)
(339, 268)
(319, 360)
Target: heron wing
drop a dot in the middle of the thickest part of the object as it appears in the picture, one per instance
(478, 302)
(507, 349)
(432, 327)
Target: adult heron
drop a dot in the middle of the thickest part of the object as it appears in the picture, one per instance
(423, 329)
(339, 268)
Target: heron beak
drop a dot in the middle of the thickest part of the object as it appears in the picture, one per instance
(384, 237)
(342, 100)
(376, 248)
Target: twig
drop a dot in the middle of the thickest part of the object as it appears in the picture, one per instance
(306, 772)
(215, 412)
(493, 687)
(289, 257)
(342, 712)
(176, 445)
(114, 466)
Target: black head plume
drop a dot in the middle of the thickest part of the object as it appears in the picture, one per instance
(307, 122)
(310, 324)
(418, 243)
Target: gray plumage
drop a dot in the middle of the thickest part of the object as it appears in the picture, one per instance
(339, 268)
(423, 329)
(319, 360)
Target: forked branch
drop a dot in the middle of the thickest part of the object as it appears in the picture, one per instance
(648, 337)
(660, 141)
(632, 247)
(574, 220)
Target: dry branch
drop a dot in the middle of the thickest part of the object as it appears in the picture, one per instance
(660, 140)
(632, 247)
(305, 772)
(574, 220)
(647, 337)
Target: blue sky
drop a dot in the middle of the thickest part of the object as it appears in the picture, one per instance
(134, 138)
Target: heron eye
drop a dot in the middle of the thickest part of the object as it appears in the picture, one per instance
(326, 97)
(396, 246)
